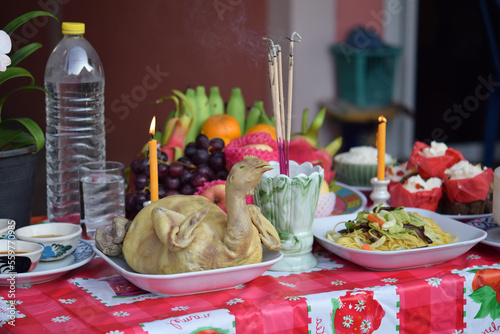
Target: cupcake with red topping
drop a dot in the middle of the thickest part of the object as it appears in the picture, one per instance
(467, 188)
(416, 192)
(432, 160)
(398, 173)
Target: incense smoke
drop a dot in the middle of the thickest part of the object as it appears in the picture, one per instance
(219, 27)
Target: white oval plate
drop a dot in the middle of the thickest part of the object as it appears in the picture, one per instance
(47, 271)
(468, 236)
(194, 282)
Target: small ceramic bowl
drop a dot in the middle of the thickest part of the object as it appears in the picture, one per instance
(58, 239)
(18, 256)
(357, 174)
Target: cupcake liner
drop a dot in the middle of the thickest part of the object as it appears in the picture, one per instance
(427, 199)
(469, 190)
(429, 167)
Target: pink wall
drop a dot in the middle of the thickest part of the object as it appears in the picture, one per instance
(178, 43)
(147, 49)
(350, 13)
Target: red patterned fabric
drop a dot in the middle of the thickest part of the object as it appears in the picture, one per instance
(94, 299)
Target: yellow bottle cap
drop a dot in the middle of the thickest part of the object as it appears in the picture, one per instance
(73, 28)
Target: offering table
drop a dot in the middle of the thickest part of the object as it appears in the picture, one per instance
(435, 299)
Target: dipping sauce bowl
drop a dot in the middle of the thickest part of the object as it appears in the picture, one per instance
(18, 256)
(58, 239)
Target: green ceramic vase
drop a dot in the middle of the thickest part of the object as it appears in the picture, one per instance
(290, 202)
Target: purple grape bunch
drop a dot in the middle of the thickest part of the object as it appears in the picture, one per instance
(203, 161)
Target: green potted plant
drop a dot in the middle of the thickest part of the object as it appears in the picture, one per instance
(20, 138)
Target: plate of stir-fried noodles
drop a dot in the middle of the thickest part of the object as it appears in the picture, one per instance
(395, 238)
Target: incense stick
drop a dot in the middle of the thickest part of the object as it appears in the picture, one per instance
(290, 82)
(282, 142)
(283, 124)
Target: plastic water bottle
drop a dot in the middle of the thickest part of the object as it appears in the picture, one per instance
(75, 131)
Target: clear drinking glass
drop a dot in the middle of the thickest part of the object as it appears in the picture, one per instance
(102, 198)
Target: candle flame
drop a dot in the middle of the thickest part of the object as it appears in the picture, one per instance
(153, 126)
(382, 119)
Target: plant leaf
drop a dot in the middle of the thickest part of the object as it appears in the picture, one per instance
(24, 52)
(37, 137)
(305, 115)
(4, 98)
(15, 72)
(9, 136)
(17, 22)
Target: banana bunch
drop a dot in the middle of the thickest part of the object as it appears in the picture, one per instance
(199, 106)
(205, 106)
(257, 115)
(193, 107)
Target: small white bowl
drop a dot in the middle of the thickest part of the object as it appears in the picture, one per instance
(18, 256)
(58, 239)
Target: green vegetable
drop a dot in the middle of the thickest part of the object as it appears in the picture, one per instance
(236, 107)
(253, 117)
(215, 101)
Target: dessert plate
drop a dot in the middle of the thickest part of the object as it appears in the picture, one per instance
(193, 282)
(468, 236)
(465, 218)
(366, 191)
(491, 227)
(47, 271)
(349, 200)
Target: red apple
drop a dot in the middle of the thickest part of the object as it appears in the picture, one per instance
(215, 191)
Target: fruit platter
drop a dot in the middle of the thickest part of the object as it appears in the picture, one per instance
(204, 137)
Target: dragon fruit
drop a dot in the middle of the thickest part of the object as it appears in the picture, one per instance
(305, 146)
(177, 126)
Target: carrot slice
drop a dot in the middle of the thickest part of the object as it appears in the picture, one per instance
(366, 247)
(374, 219)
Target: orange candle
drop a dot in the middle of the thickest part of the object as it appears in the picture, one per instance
(153, 163)
(381, 148)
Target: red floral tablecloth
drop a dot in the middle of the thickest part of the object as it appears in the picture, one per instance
(335, 297)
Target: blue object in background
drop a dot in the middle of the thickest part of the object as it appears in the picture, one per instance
(362, 38)
(492, 119)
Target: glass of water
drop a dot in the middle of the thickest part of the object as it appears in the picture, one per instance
(102, 194)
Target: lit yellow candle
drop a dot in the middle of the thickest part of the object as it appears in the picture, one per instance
(381, 148)
(153, 163)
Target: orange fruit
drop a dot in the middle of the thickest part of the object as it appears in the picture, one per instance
(222, 126)
(263, 128)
